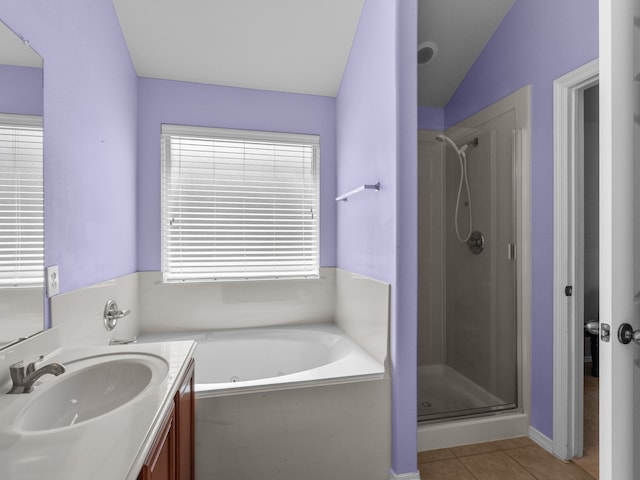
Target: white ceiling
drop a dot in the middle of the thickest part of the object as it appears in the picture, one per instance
(14, 51)
(460, 29)
(299, 46)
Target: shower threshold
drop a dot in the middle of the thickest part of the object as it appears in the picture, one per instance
(446, 394)
(457, 414)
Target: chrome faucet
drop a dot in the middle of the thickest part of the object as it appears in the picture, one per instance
(24, 378)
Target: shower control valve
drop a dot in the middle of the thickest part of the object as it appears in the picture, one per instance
(476, 242)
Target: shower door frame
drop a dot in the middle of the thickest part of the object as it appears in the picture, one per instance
(511, 423)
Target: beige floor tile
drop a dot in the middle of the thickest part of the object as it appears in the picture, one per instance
(433, 455)
(545, 466)
(450, 469)
(495, 466)
(475, 449)
(518, 442)
(589, 464)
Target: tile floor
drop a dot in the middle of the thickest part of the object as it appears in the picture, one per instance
(513, 459)
(518, 458)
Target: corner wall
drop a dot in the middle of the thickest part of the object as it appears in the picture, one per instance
(376, 111)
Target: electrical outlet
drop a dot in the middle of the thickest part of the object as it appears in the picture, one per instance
(53, 281)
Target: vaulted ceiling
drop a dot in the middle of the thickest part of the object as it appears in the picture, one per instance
(460, 29)
(298, 46)
(14, 51)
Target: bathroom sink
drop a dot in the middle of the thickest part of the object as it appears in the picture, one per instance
(90, 388)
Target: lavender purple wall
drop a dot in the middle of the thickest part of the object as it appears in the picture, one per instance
(431, 118)
(404, 332)
(164, 101)
(22, 90)
(376, 125)
(90, 136)
(366, 123)
(538, 41)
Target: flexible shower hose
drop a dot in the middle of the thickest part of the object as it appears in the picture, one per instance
(462, 157)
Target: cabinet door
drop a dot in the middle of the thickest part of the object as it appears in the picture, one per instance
(185, 411)
(161, 462)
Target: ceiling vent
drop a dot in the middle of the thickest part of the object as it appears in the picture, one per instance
(427, 51)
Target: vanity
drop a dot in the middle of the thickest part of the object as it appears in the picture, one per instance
(172, 452)
(116, 412)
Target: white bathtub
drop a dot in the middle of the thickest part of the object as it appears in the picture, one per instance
(229, 362)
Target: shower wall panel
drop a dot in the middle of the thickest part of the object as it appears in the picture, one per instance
(431, 278)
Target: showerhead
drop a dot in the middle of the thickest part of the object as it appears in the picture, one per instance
(445, 139)
(462, 149)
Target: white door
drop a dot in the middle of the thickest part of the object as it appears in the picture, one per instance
(619, 273)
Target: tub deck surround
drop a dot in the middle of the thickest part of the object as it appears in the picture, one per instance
(328, 432)
(108, 447)
(166, 307)
(275, 358)
(358, 305)
(362, 311)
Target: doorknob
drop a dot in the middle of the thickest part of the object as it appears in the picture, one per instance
(593, 327)
(626, 333)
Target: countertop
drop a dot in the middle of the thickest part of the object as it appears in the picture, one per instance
(109, 447)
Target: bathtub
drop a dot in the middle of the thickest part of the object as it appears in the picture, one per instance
(229, 362)
(253, 419)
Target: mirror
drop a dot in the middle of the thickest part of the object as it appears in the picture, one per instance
(21, 93)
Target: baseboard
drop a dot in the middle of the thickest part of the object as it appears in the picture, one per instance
(541, 439)
(404, 476)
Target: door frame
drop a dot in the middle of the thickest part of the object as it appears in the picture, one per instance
(568, 330)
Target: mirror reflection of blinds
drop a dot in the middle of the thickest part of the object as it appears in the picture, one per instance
(239, 204)
(21, 201)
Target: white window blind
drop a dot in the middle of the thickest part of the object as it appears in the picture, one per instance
(238, 204)
(21, 201)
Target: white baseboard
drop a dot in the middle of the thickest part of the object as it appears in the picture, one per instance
(541, 439)
(404, 476)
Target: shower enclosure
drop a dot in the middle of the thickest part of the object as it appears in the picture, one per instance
(468, 359)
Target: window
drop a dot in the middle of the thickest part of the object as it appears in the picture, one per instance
(238, 204)
(21, 201)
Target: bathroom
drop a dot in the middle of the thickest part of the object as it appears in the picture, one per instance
(101, 191)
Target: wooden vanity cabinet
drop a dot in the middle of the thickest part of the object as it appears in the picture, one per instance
(185, 421)
(172, 454)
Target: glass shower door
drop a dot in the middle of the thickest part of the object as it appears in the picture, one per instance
(476, 372)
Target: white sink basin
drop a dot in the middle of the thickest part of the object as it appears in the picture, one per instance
(89, 388)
